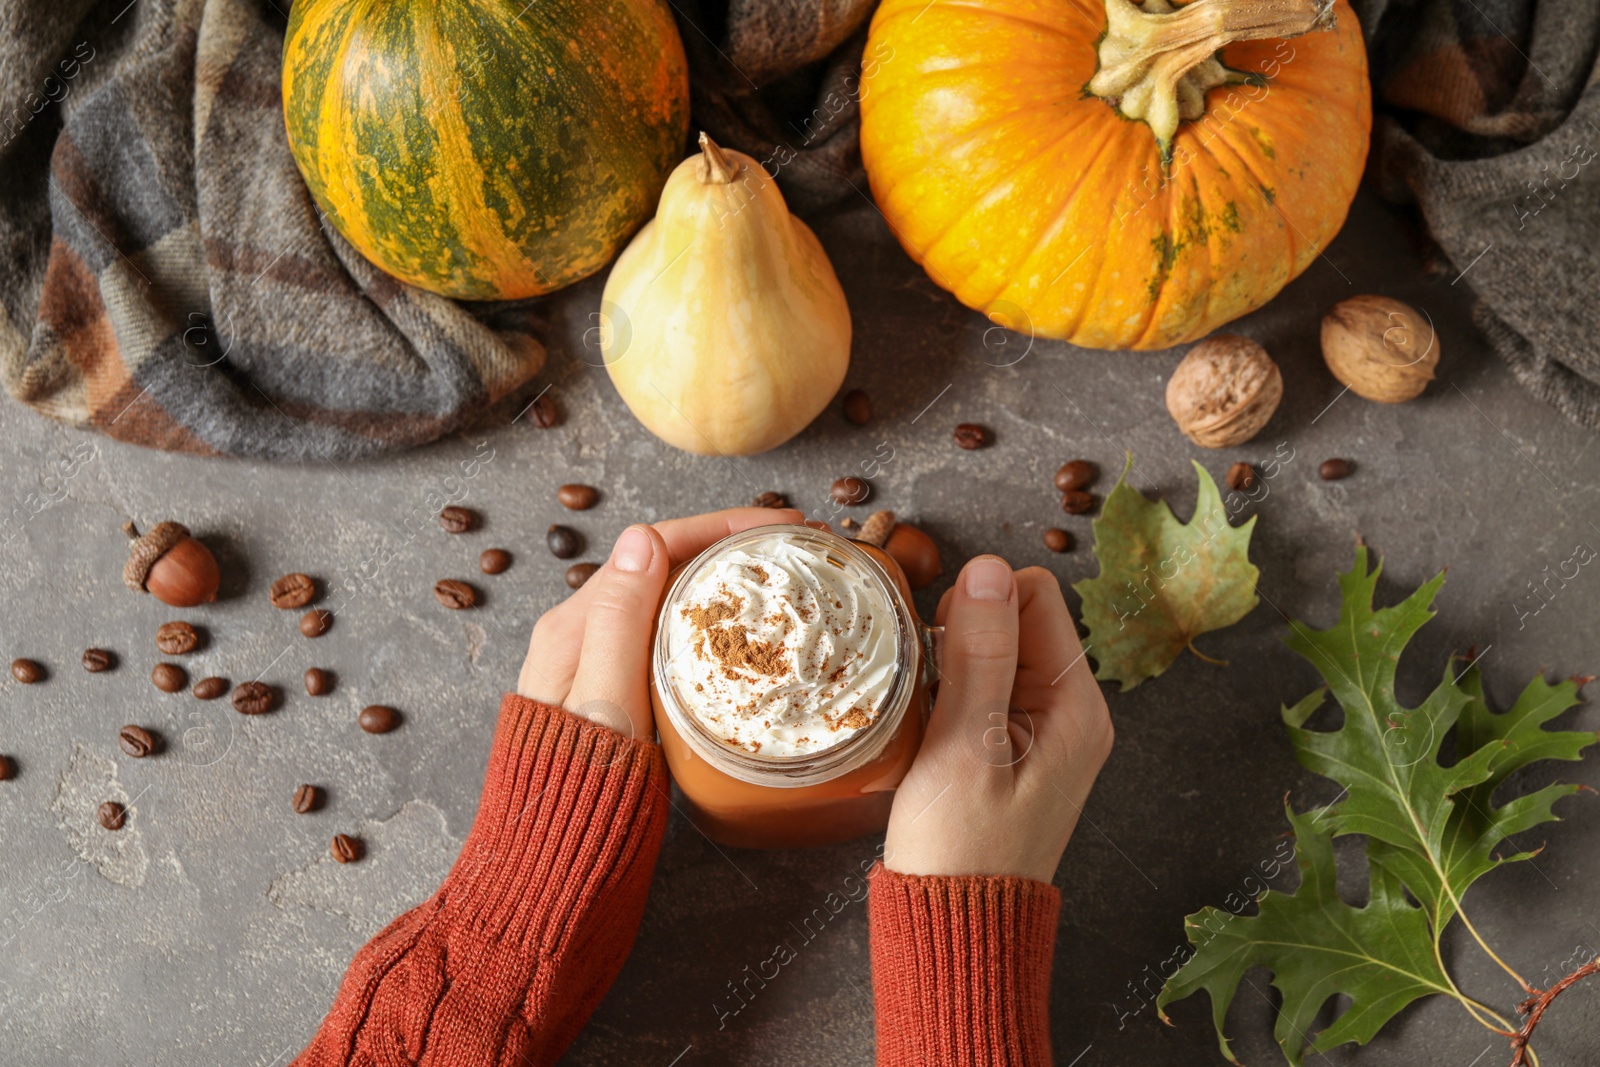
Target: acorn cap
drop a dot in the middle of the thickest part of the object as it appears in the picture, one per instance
(876, 530)
(146, 548)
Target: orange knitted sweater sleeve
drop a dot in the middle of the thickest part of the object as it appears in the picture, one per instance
(961, 969)
(505, 963)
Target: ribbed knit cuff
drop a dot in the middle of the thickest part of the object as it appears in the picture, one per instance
(961, 969)
(571, 812)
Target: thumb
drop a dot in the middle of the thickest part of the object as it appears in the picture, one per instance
(611, 685)
(980, 655)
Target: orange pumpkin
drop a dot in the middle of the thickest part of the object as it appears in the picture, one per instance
(1102, 173)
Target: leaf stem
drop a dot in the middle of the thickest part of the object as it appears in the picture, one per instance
(1534, 1008)
(1209, 659)
(1504, 966)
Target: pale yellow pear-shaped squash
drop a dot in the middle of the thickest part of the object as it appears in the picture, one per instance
(724, 326)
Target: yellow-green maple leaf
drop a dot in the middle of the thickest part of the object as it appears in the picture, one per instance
(1162, 583)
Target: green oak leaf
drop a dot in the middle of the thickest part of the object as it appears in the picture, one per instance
(1431, 830)
(1316, 945)
(1162, 583)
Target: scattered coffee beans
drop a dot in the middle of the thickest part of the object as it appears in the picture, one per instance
(543, 412)
(345, 848)
(579, 573)
(564, 541)
(169, 677)
(1241, 477)
(7, 770)
(318, 681)
(457, 596)
(1333, 469)
(858, 407)
(850, 490)
(378, 718)
(578, 497)
(307, 798)
(26, 671)
(210, 688)
(293, 591)
(253, 698)
(769, 499)
(1057, 540)
(96, 660)
(1077, 502)
(136, 741)
(457, 520)
(315, 622)
(969, 435)
(112, 815)
(176, 638)
(1076, 474)
(494, 560)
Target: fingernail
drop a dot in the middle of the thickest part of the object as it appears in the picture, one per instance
(633, 550)
(988, 579)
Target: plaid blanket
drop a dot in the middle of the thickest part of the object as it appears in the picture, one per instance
(165, 278)
(1492, 124)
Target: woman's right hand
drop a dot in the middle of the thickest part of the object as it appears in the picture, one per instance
(1018, 732)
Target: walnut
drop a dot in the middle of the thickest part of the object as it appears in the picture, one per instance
(1224, 391)
(1380, 348)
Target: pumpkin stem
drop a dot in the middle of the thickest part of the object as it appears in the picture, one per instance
(716, 167)
(1158, 62)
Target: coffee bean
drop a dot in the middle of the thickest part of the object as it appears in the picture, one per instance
(176, 638)
(378, 718)
(253, 698)
(1333, 469)
(969, 435)
(307, 798)
(112, 815)
(318, 681)
(1077, 502)
(543, 412)
(169, 677)
(770, 499)
(1241, 477)
(494, 560)
(858, 407)
(850, 490)
(345, 848)
(315, 622)
(96, 660)
(564, 542)
(136, 741)
(210, 688)
(1076, 474)
(579, 573)
(26, 671)
(293, 591)
(578, 497)
(456, 520)
(457, 596)
(7, 769)
(1057, 540)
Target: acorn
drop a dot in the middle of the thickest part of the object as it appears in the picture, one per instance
(170, 565)
(908, 546)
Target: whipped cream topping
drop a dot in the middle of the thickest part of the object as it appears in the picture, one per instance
(780, 650)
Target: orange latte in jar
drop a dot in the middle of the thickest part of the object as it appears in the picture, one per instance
(787, 686)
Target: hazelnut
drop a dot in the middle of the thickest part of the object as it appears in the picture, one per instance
(1224, 391)
(1381, 349)
(170, 565)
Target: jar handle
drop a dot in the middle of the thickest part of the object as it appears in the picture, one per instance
(933, 653)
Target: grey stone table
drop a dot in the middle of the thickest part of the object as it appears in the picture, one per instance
(215, 928)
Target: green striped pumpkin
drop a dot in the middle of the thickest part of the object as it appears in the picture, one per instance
(485, 149)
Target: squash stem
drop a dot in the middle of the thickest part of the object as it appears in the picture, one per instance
(717, 167)
(1157, 63)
